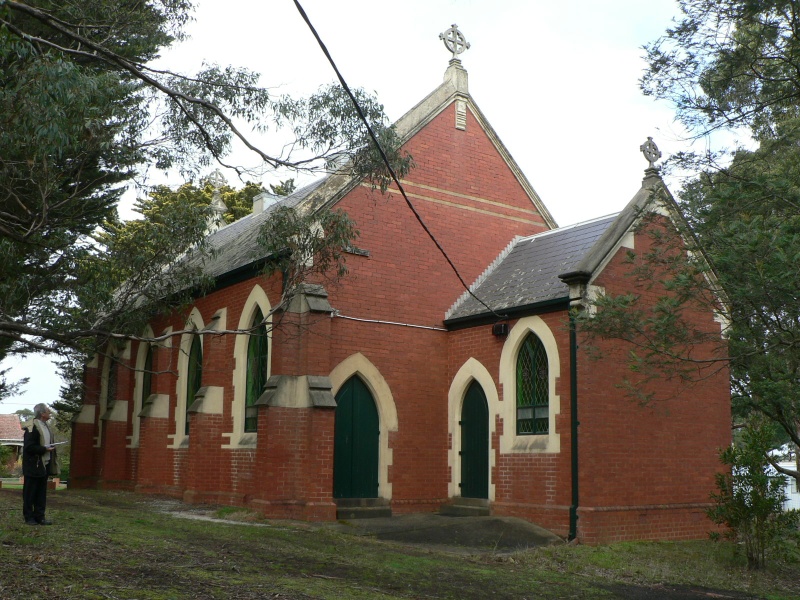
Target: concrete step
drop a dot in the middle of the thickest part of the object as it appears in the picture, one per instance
(362, 508)
(466, 507)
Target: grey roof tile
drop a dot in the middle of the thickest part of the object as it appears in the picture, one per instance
(527, 272)
(236, 245)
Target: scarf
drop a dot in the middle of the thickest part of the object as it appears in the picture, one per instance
(45, 437)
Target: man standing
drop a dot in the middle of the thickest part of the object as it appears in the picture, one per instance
(38, 461)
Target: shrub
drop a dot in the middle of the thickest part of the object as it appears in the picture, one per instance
(749, 500)
(6, 461)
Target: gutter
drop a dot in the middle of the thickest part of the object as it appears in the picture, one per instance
(507, 314)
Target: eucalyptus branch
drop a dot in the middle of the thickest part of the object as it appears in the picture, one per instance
(98, 52)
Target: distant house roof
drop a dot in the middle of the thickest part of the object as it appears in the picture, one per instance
(10, 430)
(527, 272)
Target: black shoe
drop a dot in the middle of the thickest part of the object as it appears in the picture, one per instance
(31, 522)
(44, 522)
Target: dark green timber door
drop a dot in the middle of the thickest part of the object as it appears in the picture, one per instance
(355, 445)
(475, 444)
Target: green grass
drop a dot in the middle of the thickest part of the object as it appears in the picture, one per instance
(18, 486)
(234, 512)
(125, 546)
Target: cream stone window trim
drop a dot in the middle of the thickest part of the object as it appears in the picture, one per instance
(358, 364)
(471, 370)
(237, 437)
(156, 407)
(86, 415)
(208, 400)
(195, 324)
(510, 442)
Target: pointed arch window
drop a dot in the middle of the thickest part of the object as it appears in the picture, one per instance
(147, 376)
(257, 369)
(194, 374)
(111, 386)
(533, 393)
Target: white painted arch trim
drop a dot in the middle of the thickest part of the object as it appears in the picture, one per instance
(237, 438)
(358, 364)
(510, 442)
(471, 370)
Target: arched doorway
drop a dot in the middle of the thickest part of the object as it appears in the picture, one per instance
(475, 443)
(355, 448)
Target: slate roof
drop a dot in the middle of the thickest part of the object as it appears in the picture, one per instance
(526, 273)
(236, 245)
(10, 429)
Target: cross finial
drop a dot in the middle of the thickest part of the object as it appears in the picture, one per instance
(454, 41)
(651, 152)
(216, 179)
(218, 208)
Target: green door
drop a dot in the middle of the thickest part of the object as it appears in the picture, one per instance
(355, 442)
(475, 444)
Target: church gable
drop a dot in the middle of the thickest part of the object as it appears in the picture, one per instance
(462, 168)
(462, 153)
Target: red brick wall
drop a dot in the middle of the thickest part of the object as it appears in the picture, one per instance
(83, 456)
(659, 459)
(155, 459)
(296, 464)
(649, 522)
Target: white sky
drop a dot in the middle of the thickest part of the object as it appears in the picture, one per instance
(558, 81)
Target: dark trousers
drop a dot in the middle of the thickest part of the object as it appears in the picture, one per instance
(34, 498)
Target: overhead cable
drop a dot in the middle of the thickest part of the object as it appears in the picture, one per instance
(386, 159)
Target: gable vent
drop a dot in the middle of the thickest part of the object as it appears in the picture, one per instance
(461, 115)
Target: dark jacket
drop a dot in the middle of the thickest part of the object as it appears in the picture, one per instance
(33, 453)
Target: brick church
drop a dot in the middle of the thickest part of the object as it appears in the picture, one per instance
(396, 391)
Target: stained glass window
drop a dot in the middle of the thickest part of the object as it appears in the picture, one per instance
(111, 387)
(147, 376)
(533, 393)
(194, 374)
(257, 370)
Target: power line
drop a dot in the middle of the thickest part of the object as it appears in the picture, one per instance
(386, 159)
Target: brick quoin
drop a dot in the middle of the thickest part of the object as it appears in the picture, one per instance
(644, 472)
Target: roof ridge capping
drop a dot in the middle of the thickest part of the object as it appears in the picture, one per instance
(482, 277)
(557, 230)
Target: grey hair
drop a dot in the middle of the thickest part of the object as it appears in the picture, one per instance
(39, 409)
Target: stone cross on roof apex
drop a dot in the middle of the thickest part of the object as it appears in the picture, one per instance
(651, 152)
(454, 41)
(216, 179)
